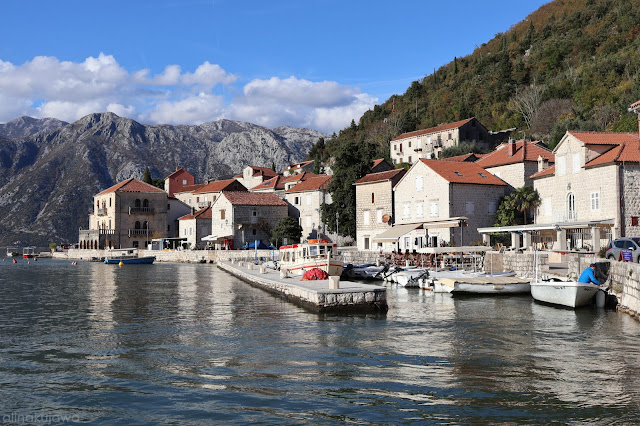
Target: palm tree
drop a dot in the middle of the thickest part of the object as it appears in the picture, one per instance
(527, 199)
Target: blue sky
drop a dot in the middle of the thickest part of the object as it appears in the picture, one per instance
(314, 64)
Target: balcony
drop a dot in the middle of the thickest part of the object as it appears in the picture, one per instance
(102, 212)
(139, 232)
(141, 210)
(571, 216)
(101, 231)
(203, 204)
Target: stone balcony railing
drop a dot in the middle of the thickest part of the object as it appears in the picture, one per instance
(138, 232)
(141, 210)
(203, 204)
(101, 212)
(565, 217)
(96, 232)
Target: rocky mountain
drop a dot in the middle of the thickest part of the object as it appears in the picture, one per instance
(27, 126)
(47, 180)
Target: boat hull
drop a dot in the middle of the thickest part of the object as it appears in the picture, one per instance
(571, 294)
(334, 268)
(487, 285)
(134, 261)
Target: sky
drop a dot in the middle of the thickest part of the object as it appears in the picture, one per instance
(315, 64)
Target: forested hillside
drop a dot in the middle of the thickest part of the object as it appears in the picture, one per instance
(572, 64)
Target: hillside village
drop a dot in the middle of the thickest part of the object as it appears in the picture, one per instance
(588, 187)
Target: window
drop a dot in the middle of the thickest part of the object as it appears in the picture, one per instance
(137, 225)
(576, 163)
(395, 147)
(400, 147)
(634, 220)
(406, 212)
(409, 159)
(449, 136)
(379, 215)
(571, 207)
(366, 243)
(296, 201)
(418, 209)
(365, 217)
(409, 144)
(373, 198)
(254, 213)
(419, 183)
(145, 203)
(492, 208)
(189, 201)
(109, 202)
(137, 202)
(595, 201)
(135, 244)
(168, 206)
(197, 199)
(253, 231)
(561, 166)
(168, 228)
(469, 207)
(458, 173)
(434, 209)
(482, 175)
(184, 181)
(222, 214)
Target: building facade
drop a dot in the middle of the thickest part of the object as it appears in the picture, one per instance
(194, 227)
(252, 176)
(178, 180)
(305, 200)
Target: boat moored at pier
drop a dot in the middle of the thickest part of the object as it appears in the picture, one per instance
(299, 258)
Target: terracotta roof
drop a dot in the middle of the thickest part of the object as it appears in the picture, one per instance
(546, 172)
(298, 165)
(253, 199)
(180, 170)
(311, 184)
(377, 162)
(278, 182)
(635, 104)
(200, 214)
(263, 171)
(624, 146)
(524, 151)
(215, 186)
(380, 176)
(464, 157)
(190, 188)
(439, 128)
(131, 185)
(459, 172)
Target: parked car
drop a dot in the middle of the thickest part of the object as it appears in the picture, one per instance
(615, 246)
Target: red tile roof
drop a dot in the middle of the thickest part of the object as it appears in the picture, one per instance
(433, 129)
(299, 165)
(459, 172)
(624, 146)
(131, 185)
(464, 157)
(253, 199)
(546, 172)
(263, 171)
(312, 184)
(377, 162)
(190, 188)
(204, 213)
(524, 151)
(179, 171)
(635, 104)
(218, 185)
(381, 176)
(277, 183)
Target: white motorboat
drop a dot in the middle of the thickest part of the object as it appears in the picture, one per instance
(433, 281)
(485, 284)
(366, 272)
(572, 294)
(321, 254)
(394, 271)
(13, 252)
(411, 277)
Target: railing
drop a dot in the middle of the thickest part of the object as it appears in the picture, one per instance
(565, 217)
(102, 212)
(138, 232)
(203, 204)
(143, 210)
(101, 231)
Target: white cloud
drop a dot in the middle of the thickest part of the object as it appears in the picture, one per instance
(48, 87)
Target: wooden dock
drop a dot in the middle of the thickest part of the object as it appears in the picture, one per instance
(350, 297)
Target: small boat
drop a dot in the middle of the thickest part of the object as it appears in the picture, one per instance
(28, 252)
(315, 253)
(367, 271)
(12, 252)
(126, 260)
(485, 284)
(572, 294)
(411, 277)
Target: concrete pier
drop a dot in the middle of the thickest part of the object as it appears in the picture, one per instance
(316, 296)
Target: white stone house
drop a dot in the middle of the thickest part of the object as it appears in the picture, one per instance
(305, 200)
(279, 184)
(252, 176)
(421, 144)
(195, 226)
(434, 195)
(293, 169)
(207, 194)
(245, 217)
(375, 208)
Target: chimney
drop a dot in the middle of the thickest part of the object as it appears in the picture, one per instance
(543, 163)
(511, 147)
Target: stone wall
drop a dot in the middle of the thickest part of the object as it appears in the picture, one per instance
(625, 285)
(522, 263)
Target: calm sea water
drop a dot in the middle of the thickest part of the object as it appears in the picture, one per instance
(188, 344)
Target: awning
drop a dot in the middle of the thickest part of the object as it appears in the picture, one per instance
(446, 223)
(215, 237)
(392, 235)
(547, 226)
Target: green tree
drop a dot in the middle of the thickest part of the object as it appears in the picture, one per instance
(158, 183)
(352, 161)
(289, 228)
(526, 199)
(506, 212)
(147, 176)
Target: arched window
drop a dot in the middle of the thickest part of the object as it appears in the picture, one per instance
(145, 225)
(145, 203)
(137, 202)
(137, 225)
(571, 206)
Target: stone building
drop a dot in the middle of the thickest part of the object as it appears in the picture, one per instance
(128, 214)
(185, 194)
(380, 165)
(195, 226)
(178, 180)
(435, 196)
(207, 194)
(245, 217)
(429, 143)
(305, 199)
(305, 166)
(515, 162)
(375, 208)
(279, 184)
(252, 176)
(175, 209)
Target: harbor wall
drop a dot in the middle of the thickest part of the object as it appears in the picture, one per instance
(522, 263)
(625, 285)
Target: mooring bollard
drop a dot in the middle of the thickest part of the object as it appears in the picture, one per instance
(334, 282)
(284, 273)
(263, 270)
(250, 266)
